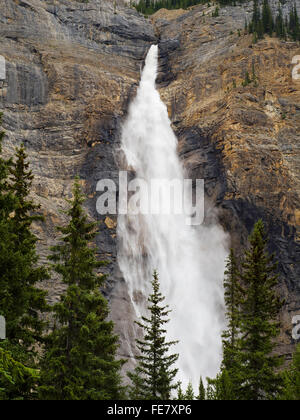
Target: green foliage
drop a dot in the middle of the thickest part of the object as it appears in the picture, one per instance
(148, 7)
(291, 377)
(180, 393)
(248, 80)
(260, 307)
(79, 361)
(233, 298)
(202, 392)
(263, 22)
(154, 374)
(249, 368)
(294, 26)
(16, 381)
(216, 13)
(221, 388)
(267, 18)
(280, 27)
(21, 302)
(189, 394)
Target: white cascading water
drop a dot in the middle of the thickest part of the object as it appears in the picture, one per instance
(189, 259)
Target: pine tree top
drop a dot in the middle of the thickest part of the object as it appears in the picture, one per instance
(73, 257)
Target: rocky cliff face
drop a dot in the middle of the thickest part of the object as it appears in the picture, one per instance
(71, 71)
(244, 140)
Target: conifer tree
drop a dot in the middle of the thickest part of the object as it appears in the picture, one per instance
(221, 388)
(20, 300)
(153, 377)
(80, 357)
(294, 25)
(189, 394)
(233, 295)
(226, 386)
(16, 381)
(280, 28)
(260, 308)
(28, 301)
(6, 199)
(291, 389)
(255, 17)
(7, 204)
(180, 393)
(267, 18)
(202, 392)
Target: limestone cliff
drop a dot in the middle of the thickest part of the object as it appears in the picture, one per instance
(71, 71)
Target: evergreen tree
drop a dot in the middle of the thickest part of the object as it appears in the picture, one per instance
(154, 375)
(20, 300)
(254, 25)
(294, 26)
(221, 388)
(80, 357)
(8, 259)
(291, 390)
(267, 18)
(27, 301)
(231, 336)
(189, 394)
(260, 308)
(16, 381)
(280, 28)
(202, 392)
(6, 199)
(180, 393)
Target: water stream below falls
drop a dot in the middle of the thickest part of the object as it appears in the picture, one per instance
(189, 259)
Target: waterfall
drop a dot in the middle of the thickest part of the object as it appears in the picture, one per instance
(189, 259)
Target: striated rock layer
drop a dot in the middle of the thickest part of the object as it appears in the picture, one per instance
(72, 69)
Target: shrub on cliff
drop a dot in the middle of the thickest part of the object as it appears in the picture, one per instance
(291, 377)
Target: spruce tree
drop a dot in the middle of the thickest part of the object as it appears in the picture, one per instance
(202, 392)
(267, 18)
(280, 28)
(291, 389)
(189, 394)
(260, 307)
(233, 295)
(80, 356)
(21, 302)
(6, 199)
(7, 205)
(28, 301)
(221, 388)
(153, 377)
(226, 385)
(180, 393)
(255, 18)
(17, 381)
(294, 25)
